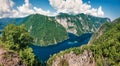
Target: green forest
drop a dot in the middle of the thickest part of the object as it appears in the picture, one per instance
(16, 40)
(105, 49)
(59, 32)
(45, 30)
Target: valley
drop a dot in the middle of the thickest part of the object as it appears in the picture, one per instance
(59, 32)
(43, 53)
(57, 41)
(103, 49)
(48, 30)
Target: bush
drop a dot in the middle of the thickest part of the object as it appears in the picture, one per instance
(16, 36)
(28, 57)
(17, 39)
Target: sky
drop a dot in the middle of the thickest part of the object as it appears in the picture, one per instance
(22, 8)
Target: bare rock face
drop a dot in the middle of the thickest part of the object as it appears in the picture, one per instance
(66, 25)
(71, 59)
(9, 59)
(80, 23)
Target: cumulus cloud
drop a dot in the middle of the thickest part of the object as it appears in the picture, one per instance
(64, 6)
(6, 6)
(75, 7)
(7, 10)
(100, 12)
(27, 9)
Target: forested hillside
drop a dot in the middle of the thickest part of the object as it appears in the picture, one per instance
(45, 30)
(105, 50)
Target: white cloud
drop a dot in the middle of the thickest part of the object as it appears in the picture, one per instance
(65, 6)
(27, 9)
(100, 12)
(75, 7)
(6, 6)
(7, 10)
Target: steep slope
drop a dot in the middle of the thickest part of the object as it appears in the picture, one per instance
(51, 30)
(85, 58)
(100, 31)
(45, 30)
(81, 23)
(105, 27)
(9, 58)
(104, 51)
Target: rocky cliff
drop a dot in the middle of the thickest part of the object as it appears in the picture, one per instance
(80, 23)
(9, 58)
(71, 59)
(102, 51)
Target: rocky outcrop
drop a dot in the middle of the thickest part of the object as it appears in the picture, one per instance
(70, 27)
(71, 59)
(9, 59)
(81, 23)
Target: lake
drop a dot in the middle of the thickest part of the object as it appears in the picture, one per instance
(43, 53)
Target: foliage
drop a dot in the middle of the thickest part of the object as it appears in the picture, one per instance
(105, 49)
(45, 30)
(17, 39)
(28, 57)
(17, 36)
(108, 47)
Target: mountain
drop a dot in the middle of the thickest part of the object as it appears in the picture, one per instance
(105, 27)
(45, 30)
(51, 30)
(5, 21)
(80, 23)
(48, 30)
(100, 31)
(104, 51)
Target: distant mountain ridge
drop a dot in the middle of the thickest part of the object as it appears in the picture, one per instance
(48, 30)
(80, 23)
(6, 21)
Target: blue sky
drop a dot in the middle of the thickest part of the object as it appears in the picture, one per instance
(100, 8)
(44, 4)
(111, 8)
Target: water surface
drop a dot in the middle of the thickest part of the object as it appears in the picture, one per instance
(43, 53)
